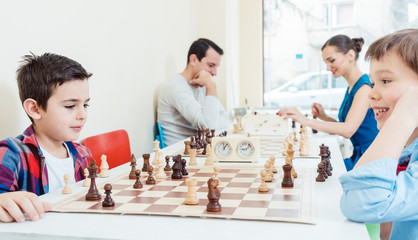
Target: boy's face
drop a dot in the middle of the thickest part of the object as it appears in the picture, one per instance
(391, 78)
(66, 112)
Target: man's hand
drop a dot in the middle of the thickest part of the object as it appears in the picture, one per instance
(13, 205)
(204, 79)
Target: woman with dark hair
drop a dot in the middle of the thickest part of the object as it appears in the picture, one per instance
(356, 118)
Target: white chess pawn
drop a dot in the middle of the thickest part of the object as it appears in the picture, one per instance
(87, 180)
(273, 168)
(67, 189)
(267, 166)
(263, 186)
(160, 171)
(215, 172)
(104, 167)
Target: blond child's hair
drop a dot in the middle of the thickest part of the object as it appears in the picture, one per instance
(403, 42)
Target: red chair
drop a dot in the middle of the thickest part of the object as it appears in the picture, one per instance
(115, 145)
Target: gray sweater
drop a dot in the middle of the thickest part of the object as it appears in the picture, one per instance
(182, 109)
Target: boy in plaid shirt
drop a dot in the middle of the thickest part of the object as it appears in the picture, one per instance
(55, 94)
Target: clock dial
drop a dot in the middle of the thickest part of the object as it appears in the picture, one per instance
(223, 149)
(245, 149)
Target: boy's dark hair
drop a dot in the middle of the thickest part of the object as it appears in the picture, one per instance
(200, 46)
(38, 76)
(344, 44)
(403, 42)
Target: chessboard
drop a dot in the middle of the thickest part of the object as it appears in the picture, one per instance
(239, 199)
(274, 147)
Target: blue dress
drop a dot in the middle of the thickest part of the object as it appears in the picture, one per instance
(367, 131)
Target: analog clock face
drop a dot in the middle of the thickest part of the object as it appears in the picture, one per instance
(223, 149)
(245, 149)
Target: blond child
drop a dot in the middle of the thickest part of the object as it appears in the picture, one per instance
(382, 187)
(55, 95)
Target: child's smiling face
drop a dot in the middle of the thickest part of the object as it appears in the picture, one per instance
(391, 78)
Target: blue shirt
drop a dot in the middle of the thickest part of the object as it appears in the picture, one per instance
(374, 193)
(367, 131)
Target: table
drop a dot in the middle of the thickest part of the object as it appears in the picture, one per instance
(331, 224)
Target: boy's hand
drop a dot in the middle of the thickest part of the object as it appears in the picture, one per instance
(406, 106)
(14, 204)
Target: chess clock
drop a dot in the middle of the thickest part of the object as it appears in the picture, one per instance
(235, 149)
(266, 125)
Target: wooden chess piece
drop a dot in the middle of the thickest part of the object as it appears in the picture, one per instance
(133, 167)
(93, 194)
(150, 179)
(191, 198)
(160, 174)
(108, 201)
(215, 172)
(295, 139)
(235, 129)
(314, 131)
(67, 189)
(209, 159)
(267, 167)
(192, 160)
(213, 196)
(146, 162)
(263, 186)
(176, 168)
(104, 167)
(287, 177)
(86, 182)
(167, 167)
(320, 177)
(186, 147)
(138, 184)
(183, 167)
(273, 168)
(212, 132)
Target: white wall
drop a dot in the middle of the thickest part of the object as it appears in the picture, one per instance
(130, 46)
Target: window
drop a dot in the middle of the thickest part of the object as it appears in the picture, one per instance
(294, 32)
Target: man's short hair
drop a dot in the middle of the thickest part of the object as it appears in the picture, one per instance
(200, 47)
(38, 76)
(403, 42)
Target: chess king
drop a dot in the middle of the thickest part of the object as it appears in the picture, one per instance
(54, 92)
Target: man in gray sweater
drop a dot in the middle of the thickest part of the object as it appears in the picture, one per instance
(190, 100)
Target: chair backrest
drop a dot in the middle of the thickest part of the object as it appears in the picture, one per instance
(115, 145)
(158, 134)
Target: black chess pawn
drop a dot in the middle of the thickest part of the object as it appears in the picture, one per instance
(133, 167)
(138, 184)
(176, 168)
(150, 179)
(183, 168)
(146, 162)
(108, 201)
(167, 167)
(320, 177)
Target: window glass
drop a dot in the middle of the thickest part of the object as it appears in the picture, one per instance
(294, 32)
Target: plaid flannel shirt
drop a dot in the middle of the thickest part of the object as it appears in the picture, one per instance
(22, 164)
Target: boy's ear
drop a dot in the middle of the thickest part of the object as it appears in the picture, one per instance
(32, 109)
